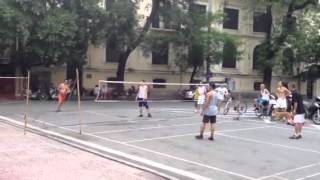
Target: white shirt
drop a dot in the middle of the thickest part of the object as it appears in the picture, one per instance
(143, 92)
(202, 90)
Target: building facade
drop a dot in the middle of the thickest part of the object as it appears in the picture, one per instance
(241, 20)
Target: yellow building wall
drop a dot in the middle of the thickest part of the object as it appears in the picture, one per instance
(139, 66)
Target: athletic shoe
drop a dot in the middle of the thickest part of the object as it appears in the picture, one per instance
(149, 115)
(295, 137)
(140, 115)
(211, 138)
(199, 137)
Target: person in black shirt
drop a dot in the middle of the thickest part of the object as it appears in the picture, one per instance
(298, 112)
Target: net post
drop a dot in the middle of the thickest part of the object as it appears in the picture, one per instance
(79, 102)
(27, 104)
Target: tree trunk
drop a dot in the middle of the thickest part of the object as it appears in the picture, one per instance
(267, 72)
(193, 74)
(267, 77)
(123, 58)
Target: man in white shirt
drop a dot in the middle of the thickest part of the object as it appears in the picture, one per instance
(202, 96)
(142, 97)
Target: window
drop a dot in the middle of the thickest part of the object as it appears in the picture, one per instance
(261, 22)
(231, 18)
(161, 54)
(199, 9)
(229, 55)
(159, 81)
(255, 57)
(112, 55)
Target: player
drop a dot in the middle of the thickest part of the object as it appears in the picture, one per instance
(63, 89)
(281, 104)
(142, 97)
(210, 111)
(195, 98)
(298, 112)
(202, 96)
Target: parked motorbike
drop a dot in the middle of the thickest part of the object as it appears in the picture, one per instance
(39, 95)
(313, 111)
(53, 93)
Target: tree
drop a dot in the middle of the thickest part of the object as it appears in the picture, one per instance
(275, 39)
(306, 42)
(49, 32)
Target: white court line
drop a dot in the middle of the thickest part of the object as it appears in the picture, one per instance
(13, 102)
(143, 120)
(154, 127)
(310, 176)
(291, 129)
(316, 126)
(44, 122)
(115, 152)
(190, 134)
(139, 159)
(281, 178)
(272, 144)
(288, 171)
(146, 128)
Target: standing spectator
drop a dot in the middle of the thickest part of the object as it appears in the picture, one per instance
(297, 112)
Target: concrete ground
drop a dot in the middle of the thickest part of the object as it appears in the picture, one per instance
(31, 157)
(245, 149)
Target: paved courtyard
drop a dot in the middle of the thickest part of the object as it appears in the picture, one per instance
(248, 148)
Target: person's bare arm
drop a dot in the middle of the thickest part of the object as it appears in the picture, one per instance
(295, 105)
(287, 92)
(277, 92)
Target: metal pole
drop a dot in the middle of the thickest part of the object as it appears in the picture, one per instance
(79, 102)
(27, 104)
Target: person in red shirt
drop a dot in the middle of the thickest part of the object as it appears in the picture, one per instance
(63, 89)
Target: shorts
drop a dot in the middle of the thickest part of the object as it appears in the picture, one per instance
(281, 103)
(61, 98)
(211, 119)
(298, 119)
(143, 102)
(201, 100)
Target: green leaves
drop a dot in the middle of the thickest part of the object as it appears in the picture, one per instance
(44, 32)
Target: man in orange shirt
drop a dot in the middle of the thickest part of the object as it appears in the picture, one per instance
(63, 89)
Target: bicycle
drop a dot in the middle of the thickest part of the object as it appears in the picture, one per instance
(238, 106)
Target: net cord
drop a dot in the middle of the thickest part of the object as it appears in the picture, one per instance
(152, 83)
(147, 83)
(1, 77)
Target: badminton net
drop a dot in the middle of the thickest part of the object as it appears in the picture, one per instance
(121, 91)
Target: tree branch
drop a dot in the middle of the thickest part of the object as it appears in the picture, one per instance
(305, 4)
(146, 27)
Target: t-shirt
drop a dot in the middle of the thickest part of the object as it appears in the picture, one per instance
(143, 92)
(212, 109)
(202, 90)
(297, 98)
(196, 94)
(265, 94)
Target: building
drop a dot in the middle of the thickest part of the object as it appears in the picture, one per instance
(241, 20)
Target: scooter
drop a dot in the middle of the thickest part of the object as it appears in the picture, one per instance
(39, 95)
(313, 111)
(53, 93)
